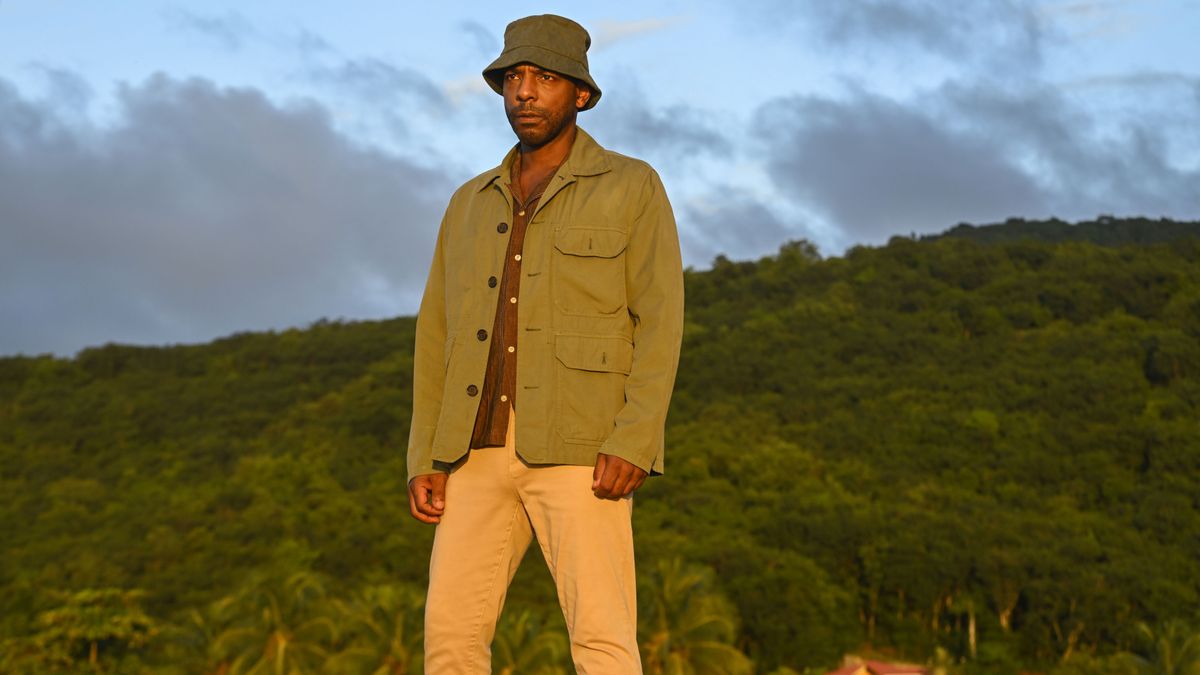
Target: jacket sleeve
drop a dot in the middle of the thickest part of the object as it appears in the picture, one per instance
(654, 289)
(429, 372)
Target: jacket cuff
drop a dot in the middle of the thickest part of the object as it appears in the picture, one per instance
(420, 466)
(640, 461)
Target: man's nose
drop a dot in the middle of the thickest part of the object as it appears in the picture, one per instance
(525, 89)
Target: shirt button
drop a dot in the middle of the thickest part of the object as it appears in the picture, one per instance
(517, 257)
(472, 390)
(481, 334)
(512, 349)
(513, 300)
(502, 228)
(503, 398)
(491, 282)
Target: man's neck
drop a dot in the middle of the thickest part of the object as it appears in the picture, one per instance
(549, 155)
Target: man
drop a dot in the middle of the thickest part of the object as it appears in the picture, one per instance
(556, 289)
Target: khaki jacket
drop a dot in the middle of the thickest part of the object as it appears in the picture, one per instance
(600, 316)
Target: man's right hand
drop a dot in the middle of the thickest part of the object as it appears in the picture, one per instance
(427, 497)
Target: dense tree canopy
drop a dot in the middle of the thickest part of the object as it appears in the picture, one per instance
(984, 447)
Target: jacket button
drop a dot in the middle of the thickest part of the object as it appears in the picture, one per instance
(502, 228)
(481, 334)
(472, 390)
(491, 282)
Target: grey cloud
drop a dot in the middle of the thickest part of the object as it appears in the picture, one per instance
(204, 211)
(878, 167)
(1140, 79)
(392, 94)
(66, 90)
(380, 83)
(732, 223)
(24, 123)
(1080, 8)
(629, 123)
(1084, 168)
(230, 30)
(310, 43)
(983, 32)
(485, 40)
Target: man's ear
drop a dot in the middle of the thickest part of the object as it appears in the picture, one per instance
(583, 94)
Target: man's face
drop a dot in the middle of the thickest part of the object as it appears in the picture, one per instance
(540, 104)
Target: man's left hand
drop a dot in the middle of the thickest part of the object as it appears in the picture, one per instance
(615, 478)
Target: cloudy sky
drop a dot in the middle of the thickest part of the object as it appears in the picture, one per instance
(177, 171)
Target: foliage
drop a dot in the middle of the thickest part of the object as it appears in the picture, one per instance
(987, 448)
(84, 627)
(524, 645)
(1172, 650)
(1104, 230)
(385, 631)
(688, 626)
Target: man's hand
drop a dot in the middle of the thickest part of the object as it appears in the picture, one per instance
(427, 497)
(615, 478)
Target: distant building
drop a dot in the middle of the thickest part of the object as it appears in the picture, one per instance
(856, 666)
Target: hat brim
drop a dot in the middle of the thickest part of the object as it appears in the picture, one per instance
(542, 58)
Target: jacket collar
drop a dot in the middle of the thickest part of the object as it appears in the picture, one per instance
(587, 158)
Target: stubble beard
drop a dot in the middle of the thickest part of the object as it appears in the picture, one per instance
(549, 127)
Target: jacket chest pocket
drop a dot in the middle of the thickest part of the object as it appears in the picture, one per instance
(589, 270)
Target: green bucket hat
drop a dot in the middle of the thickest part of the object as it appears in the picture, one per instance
(547, 41)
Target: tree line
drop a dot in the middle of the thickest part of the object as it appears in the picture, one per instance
(978, 452)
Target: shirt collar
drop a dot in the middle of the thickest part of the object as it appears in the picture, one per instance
(587, 158)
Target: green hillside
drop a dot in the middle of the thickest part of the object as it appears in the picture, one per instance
(1104, 230)
(982, 452)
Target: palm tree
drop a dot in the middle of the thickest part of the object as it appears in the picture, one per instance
(90, 618)
(688, 627)
(525, 644)
(384, 632)
(275, 628)
(1174, 650)
(191, 644)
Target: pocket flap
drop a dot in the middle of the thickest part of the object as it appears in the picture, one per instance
(590, 241)
(589, 352)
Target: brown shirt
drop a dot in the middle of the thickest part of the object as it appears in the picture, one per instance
(500, 379)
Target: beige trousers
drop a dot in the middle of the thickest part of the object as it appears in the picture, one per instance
(495, 504)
